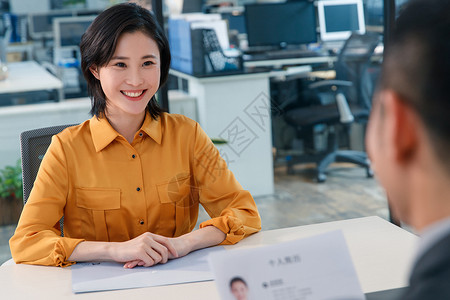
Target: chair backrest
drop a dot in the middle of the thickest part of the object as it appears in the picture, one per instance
(353, 60)
(358, 48)
(33, 146)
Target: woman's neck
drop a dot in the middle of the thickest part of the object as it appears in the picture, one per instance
(126, 125)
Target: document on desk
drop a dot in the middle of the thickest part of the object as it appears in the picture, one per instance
(105, 276)
(318, 267)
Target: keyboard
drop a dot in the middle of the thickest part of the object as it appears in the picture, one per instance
(280, 54)
(291, 53)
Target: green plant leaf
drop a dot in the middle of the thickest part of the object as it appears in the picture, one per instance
(11, 181)
(217, 141)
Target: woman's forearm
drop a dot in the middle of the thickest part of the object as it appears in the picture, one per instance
(198, 239)
(147, 250)
(90, 251)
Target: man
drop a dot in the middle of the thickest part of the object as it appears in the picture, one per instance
(239, 288)
(408, 138)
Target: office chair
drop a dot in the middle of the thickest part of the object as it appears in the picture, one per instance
(33, 146)
(349, 104)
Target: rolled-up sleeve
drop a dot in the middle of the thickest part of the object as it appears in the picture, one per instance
(37, 238)
(231, 208)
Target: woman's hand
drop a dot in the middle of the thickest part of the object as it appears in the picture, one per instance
(180, 245)
(146, 250)
(183, 245)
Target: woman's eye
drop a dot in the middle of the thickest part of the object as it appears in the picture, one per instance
(148, 63)
(120, 65)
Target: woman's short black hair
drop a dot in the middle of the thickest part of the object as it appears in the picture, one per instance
(99, 42)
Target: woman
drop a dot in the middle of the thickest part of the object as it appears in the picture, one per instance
(129, 180)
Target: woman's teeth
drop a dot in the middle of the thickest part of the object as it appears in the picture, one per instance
(133, 94)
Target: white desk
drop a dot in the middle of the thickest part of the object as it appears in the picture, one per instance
(381, 253)
(29, 76)
(330, 60)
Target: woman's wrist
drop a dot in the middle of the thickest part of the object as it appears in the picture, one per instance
(205, 237)
(111, 251)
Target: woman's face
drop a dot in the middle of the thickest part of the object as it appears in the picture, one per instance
(132, 76)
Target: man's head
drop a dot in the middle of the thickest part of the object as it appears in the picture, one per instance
(238, 288)
(409, 130)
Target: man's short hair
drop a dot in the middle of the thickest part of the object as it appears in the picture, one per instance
(237, 279)
(417, 67)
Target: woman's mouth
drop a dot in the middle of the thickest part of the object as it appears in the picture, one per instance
(133, 95)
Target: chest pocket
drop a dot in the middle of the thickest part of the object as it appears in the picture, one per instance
(177, 198)
(94, 205)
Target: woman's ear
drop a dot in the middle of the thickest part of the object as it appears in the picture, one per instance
(94, 71)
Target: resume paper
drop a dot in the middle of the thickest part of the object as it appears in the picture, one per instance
(105, 276)
(318, 267)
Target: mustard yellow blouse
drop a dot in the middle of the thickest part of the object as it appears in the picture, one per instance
(109, 190)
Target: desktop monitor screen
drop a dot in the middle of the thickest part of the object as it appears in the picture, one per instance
(236, 21)
(41, 25)
(192, 6)
(339, 18)
(68, 31)
(281, 24)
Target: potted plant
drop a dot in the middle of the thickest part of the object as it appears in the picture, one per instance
(11, 194)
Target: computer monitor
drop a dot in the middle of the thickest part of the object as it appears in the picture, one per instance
(68, 31)
(236, 21)
(41, 25)
(339, 18)
(192, 6)
(281, 24)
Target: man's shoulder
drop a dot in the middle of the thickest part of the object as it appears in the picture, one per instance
(430, 286)
(436, 256)
(431, 275)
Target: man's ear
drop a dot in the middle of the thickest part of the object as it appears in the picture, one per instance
(94, 71)
(404, 123)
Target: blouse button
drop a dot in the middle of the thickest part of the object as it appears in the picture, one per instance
(138, 189)
(141, 221)
(141, 134)
(133, 156)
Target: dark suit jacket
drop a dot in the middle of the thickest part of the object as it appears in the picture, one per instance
(430, 278)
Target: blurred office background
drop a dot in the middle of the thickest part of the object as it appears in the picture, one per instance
(216, 46)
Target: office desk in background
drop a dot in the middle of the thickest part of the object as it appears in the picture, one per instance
(322, 59)
(29, 76)
(237, 108)
(381, 253)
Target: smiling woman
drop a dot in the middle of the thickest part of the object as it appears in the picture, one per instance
(129, 181)
(129, 80)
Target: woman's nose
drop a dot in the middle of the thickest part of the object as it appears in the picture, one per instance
(135, 77)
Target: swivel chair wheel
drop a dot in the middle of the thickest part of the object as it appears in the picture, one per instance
(369, 173)
(321, 177)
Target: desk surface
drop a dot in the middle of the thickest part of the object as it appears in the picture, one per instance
(381, 253)
(291, 61)
(303, 70)
(221, 77)
(28, 76)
